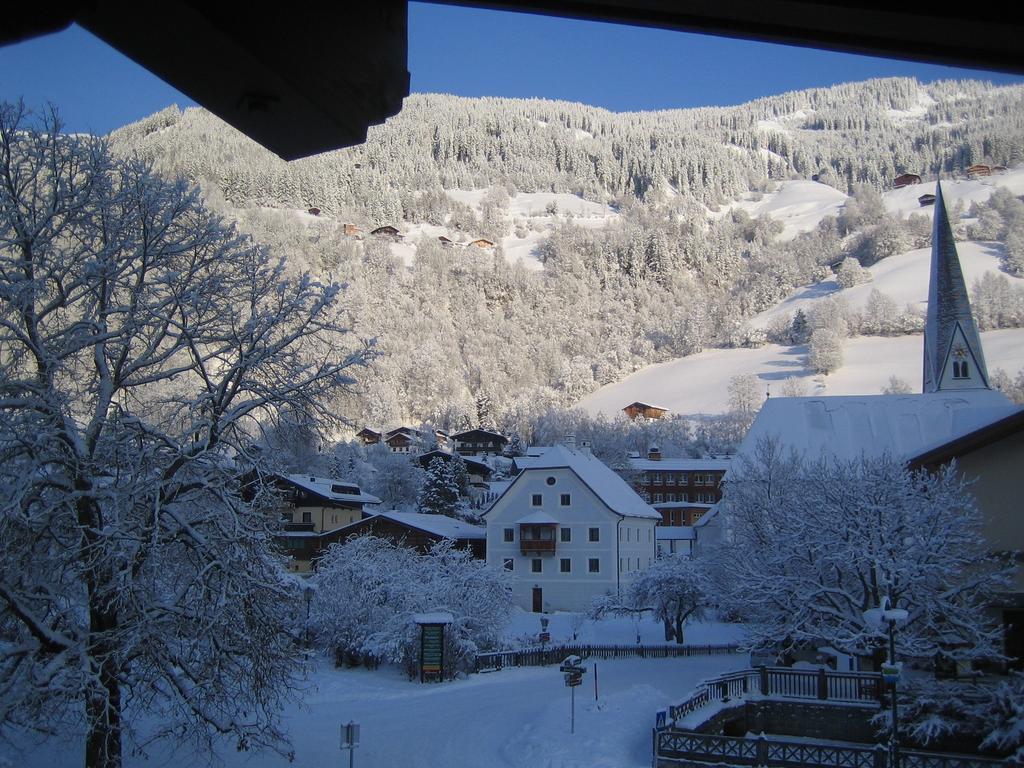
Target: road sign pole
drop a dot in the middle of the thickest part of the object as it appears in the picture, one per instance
(595, 681)
(572, 716)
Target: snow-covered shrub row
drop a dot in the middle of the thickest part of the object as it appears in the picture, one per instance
(368, 590)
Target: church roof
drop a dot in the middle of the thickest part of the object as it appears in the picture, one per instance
(949, 317)
(901, 426)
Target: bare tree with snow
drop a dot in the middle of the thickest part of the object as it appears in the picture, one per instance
(815, 544)
(143, 342)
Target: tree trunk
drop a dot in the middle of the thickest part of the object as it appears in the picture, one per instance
(103, 712)
(679, 631)
(669, 632)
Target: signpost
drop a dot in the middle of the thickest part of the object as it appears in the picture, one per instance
(573, 670)
(350, 740)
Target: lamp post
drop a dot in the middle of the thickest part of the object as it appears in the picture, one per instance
(308, 594)
(888, 616)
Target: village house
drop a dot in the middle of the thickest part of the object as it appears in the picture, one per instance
(479, 472)
(640, 410)
(681, 490)
(416, 531)
(387, 231)
(569, 529)
(479, 442)
(403, 440)
(482, 242)
(311, 507)
(369, 435)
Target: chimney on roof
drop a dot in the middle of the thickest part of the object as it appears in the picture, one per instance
(585, 447)
(570, 442)
(654, 453)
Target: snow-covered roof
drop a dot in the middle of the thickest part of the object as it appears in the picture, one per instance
(707, 517)
(606, 485)
(439, 525)
(674, 532)
(331, 488)
(901, 426)
(537, 518)
(687, 465)
(436, 617)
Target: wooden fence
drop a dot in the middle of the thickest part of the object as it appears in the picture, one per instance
(674, 747)
(539, 657)
(782, 682)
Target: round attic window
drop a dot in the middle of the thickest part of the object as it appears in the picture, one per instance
(550, 481)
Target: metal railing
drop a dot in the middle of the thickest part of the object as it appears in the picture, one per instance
(554, 654)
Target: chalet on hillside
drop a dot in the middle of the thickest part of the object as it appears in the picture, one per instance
(479, 471)
(369, 436)
(314, 211)
(482, 242)
(403, 439)
(351, 230)
(479, 442)
(640, 410)
(446, 242)
(905, 180)
(925, 200)
(386, 231)
(979, 170)
(417, 531)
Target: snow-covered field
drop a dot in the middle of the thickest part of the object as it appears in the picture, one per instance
(699, 383)
(515, 717)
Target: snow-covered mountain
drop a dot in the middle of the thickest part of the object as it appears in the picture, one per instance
(620, 240)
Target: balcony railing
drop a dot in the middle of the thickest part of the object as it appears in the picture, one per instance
(534, 546)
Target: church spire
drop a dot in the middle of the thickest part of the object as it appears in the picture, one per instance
(953, 359)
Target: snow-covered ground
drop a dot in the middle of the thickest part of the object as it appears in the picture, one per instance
(515, 717)
(699, 383)
(799, 205)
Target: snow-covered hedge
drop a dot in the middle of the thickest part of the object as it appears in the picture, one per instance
(368, 590)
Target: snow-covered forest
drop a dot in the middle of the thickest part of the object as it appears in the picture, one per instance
(642, 258)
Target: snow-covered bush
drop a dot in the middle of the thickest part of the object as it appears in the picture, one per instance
(851, 273)
(368, 591)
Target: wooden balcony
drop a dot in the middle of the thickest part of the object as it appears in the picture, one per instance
(536, 546)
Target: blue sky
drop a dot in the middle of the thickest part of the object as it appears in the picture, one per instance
(483, 53)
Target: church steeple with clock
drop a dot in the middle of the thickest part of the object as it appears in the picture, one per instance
(953, 358)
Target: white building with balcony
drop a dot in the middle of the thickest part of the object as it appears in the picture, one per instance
(570, 529)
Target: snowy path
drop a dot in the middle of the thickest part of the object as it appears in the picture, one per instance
(516, 717)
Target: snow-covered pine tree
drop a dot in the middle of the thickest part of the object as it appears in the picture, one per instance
(440, 492)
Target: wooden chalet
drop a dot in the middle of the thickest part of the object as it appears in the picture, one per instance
(925, 200)
(479, 442)
(640, 410)
(905, 180)
(369, 436)
(446, 242)
(479, 471)
(313, 211)
(416, 531)
(386, 231)
(403, 439)
(351, 230)
(682, 490)
(482, 242)
(312, 506)
(978, 170)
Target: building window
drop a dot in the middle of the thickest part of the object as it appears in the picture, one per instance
(508, 563)
(566, 535)
(682, 478)
(537, 565)
(670, 497)
(537, 500)
(594, 534)
(565, 500)
(307, 517)
(550, 481)
(670, 479)
(509, 534)
(565, 565)
(594, 565)
(656, 477)
(684, 497)
(960, 370)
